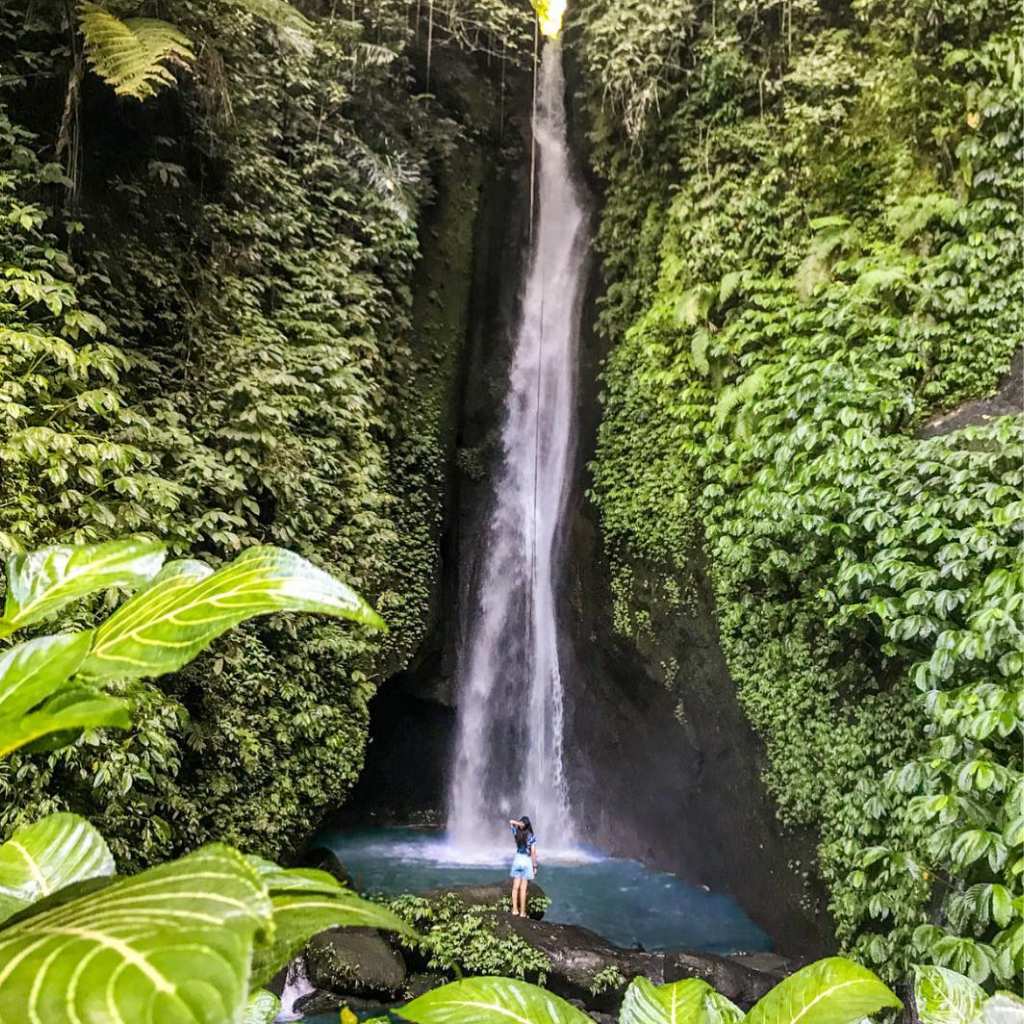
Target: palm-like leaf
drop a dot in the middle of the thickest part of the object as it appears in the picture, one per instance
(491, 1001)
(187, 606)
(831, 991)
(44, 857)
(134, 56)
(169, 946)
(44, 581)
(683, 1002)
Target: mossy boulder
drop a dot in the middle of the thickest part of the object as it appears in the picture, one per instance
(358, 962)
(493, 893)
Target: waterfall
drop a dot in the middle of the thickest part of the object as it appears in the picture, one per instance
(296, 986)
(509, 756)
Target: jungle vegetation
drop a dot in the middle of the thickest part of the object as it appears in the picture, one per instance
(208, 226)
(209, 221)
(811, 237)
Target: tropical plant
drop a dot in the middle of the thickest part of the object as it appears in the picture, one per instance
(183, 942)
(811, 260)
(49, 685)
(831, 991)
(137, 56)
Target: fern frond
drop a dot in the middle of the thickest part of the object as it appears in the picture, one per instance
(279, 13)
(699, 345)
(739, 394)
(134, 56)
(372, 55)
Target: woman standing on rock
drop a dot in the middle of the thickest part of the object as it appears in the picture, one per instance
(524, 863)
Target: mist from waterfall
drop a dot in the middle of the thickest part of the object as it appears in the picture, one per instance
(509, 756)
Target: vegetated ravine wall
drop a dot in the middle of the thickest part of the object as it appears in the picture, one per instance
(211, 335)
(679, 791)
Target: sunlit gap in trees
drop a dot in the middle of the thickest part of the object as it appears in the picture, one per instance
(550, 14)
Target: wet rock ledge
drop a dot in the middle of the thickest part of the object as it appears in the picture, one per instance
(365, 970)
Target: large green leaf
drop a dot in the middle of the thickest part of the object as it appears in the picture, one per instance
(831, 991)
(66, 713)
(46, 856)
(187, 607)
(683, 1002)
(304, 906)
(169, 946)
(44, 581)
(491, 1001)
(38, 673)
(945, 997)
(262, 1008)
(279, 880)
(32, 671)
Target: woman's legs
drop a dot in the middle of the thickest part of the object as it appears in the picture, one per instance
(522, 896)
(516, 883)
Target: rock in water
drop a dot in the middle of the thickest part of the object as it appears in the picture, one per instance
(355, 961)
(325, 859)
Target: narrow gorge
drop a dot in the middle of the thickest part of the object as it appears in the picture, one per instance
(415, 416)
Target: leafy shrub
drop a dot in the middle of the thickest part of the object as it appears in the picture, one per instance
(456, 937)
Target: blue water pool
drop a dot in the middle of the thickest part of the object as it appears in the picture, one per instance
(626, 902)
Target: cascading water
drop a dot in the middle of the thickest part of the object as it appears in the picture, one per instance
(509, 744)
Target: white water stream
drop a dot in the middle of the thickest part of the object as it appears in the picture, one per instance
(509, 757)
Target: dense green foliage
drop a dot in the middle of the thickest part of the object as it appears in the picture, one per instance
(205, 336)
(456, 937)
(811, 242)
(184, 942)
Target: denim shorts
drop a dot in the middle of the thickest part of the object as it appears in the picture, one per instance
(522, 867)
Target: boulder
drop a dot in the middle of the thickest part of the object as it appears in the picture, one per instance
(489, 894)
(318, 1002)
(325, 859)
(578, 955)
(356, 962)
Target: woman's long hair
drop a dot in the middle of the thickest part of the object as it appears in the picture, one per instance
(523, 831)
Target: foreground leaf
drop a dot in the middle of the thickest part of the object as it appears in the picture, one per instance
(683, 1002)
(66, 713)
(491, 1001)
(945, 997)
(32, 671)
(279, 880)
(262, 1008)
(46, 856)
(44, 581)
(831, 991)
(187, 607)
(298, 916)
(169, 946)
(39, 672)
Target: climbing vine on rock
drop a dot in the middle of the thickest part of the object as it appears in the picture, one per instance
(811, 251)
